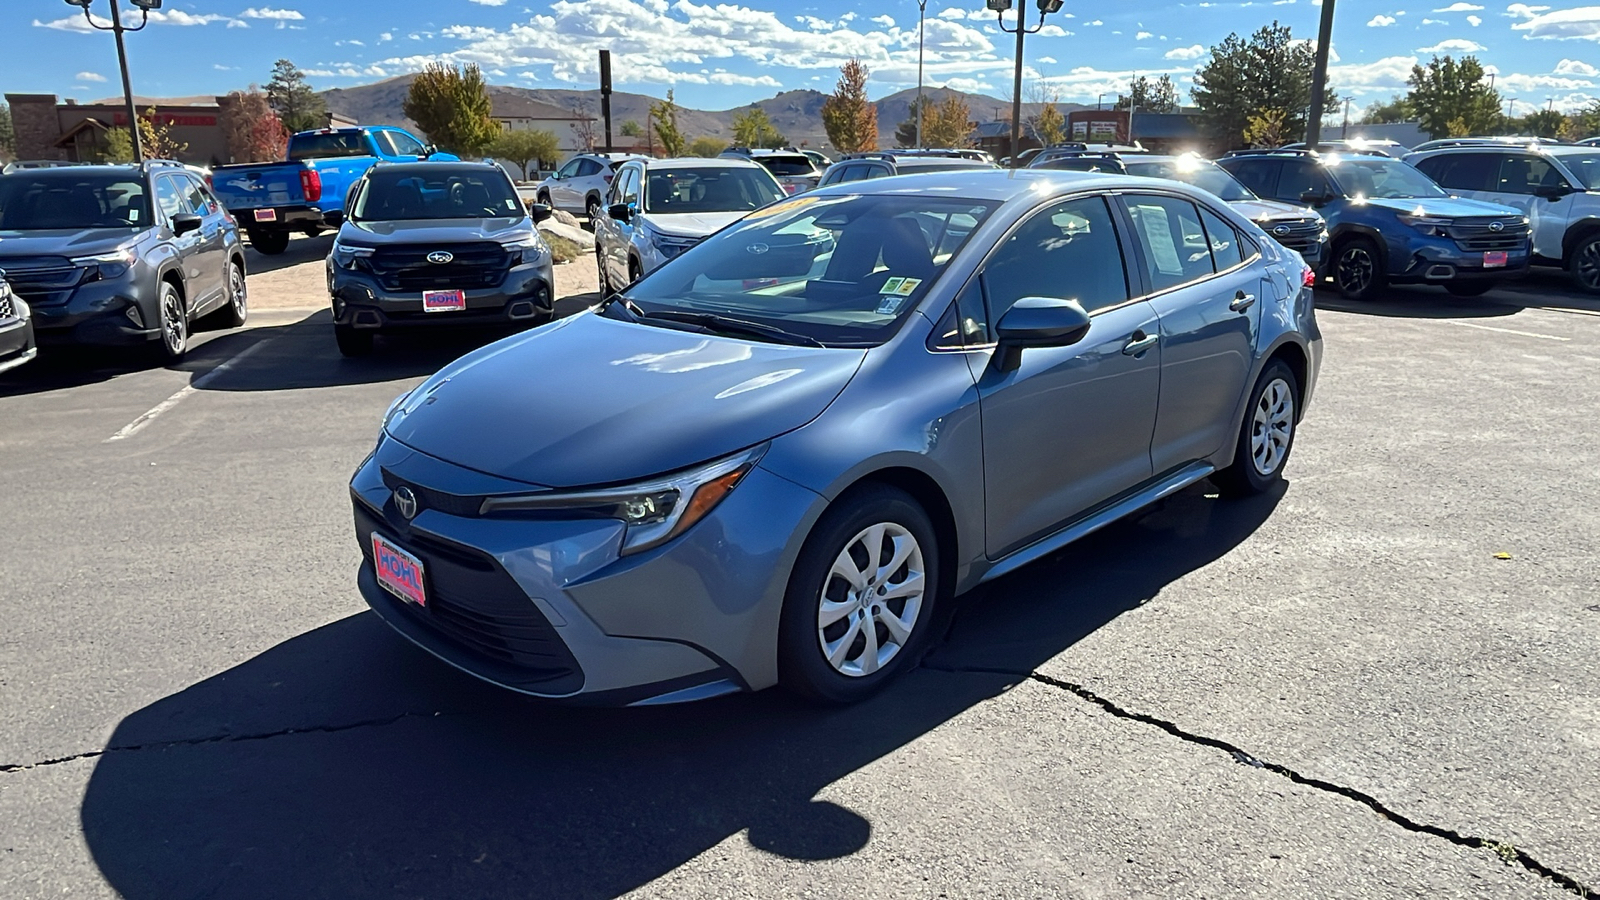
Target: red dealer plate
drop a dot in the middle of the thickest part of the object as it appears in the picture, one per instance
(443, 301)
(399, 572)
(1494, 258)
(266, 215)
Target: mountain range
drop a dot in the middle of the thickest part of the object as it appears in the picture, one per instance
(797, 114)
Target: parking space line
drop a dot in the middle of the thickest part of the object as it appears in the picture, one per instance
(1547, 337)
(137, 425)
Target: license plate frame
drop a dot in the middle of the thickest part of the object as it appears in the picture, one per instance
(444, 301)
(266, 215)
(399, 572)
(1496, 259)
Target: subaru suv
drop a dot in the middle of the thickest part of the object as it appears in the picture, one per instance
(1391, 224)
(581, 184)
(436, 244)
(130, 255)
(794, 170)
(1300, 229)
(885, 164)
(1557, 187)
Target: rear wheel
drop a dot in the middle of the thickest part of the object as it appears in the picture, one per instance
(544, 197)
(861, 599)
(270, 243)
(1267, 435)
(1469, 288)
(1358, 269)
(1585, 265)
(635, 271)
(351, 341)
(238, 309)
(605, 283)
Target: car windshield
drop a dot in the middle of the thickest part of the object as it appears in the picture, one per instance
(787, 165)
(1586, 166)
(1082, 164)
(438, 193)
(1203, 174)
(843, 269)
(709, 189)
(321, 145)
(46, 198)
(1381, 178)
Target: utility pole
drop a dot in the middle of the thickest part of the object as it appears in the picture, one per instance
(605, 94)
(922, 16)
(1319, 77)
(118, 30)
(999, 7)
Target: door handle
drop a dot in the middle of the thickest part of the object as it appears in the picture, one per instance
(1139, 343)
(1242, 301)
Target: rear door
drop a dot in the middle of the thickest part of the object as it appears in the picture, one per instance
(211, 252)
(1196, 267)
(627, 184)
(1518, 178)
(172, 200)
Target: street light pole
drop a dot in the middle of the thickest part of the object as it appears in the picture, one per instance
(1319, 77)
(118, 29)
(999, 7)
(922, 17)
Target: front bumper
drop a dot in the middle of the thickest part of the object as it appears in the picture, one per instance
(17, 344)
(1440, 260)
(96, 313)
(525, 296)
(549, 608)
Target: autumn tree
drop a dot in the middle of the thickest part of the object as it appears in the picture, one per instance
(1049, 126)
(1451, 98)
(583, 126)
(1144, 95)
(850, 119)
(451, 105)
(707, 147)
(665, 116)
(298, 106)
(1545, 123)
(1584, 123)
(753, 128)
(1246, 80)
(1266, 129)
(525, 146)
(253, 132)
(155, 137)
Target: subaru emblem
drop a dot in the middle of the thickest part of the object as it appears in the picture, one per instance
(405, 502)
(440, 257)
(1497, 226)
(1281, 230)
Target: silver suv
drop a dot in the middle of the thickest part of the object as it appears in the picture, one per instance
(1556, 186)
(580, 185)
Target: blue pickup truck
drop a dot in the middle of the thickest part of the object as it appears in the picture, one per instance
(306, 192)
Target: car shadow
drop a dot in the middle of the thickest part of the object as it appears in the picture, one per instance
(301, 249)
(344, 763)
(1544, 288)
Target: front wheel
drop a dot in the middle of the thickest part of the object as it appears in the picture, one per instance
(1585, 266)
(270, 243)
(174, 321)
(860, 603)
(1267, 435)
(605, 283)
(1358, 270)
(1469, 288)
(591, 208)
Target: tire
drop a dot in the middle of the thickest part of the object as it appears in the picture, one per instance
(351, 341)
(842, 661)
(1357, 269)
(234, 314)
(269, 243)
(172, 315)
(1267, 436)
(1469, 288)
(544, 197)
(605, 283)
(635, 271)
(591, 208)
(1584, 265)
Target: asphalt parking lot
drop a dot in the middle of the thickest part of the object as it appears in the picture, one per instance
(1378, 682)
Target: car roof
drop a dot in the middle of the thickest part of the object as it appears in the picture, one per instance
(699, 162)
(982, 183)
(948, 162)
(442, 165)
(77, 171)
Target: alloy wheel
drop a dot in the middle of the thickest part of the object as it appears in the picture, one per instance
(238, 293)
(174, 327)
(1588, 266)
(871, 599)
(1272, 427)
(1355, 270)
(593, 210)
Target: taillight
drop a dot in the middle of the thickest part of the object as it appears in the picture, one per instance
(1308, 278)
(607, 178)
(311, 185)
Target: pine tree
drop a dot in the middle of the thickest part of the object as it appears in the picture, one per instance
(451, 105)
(298, 106)
(850, 119)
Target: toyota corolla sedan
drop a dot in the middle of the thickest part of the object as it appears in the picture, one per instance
(771, 460)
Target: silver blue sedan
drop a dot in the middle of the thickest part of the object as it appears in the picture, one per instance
(772, 459)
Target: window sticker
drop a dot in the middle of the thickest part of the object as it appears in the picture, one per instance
(892, 286)
(890, 304)
(907, 285)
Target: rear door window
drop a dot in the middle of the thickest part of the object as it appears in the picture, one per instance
(1227, 248)
(1526, 173)
(1462, 171)
(1259, 175)
(1176, 250)
(1300, 177)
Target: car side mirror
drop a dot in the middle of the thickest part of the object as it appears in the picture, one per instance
(538, 212)
(622, 212)
(1038, 322)
(429, 150)
(334, 218)
(1553, 191)
(1315, 198)
(183, 223)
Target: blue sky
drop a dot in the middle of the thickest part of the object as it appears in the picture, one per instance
(725, 53)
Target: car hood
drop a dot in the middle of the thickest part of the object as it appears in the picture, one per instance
(692, 224)
(589, 401)
(1267, 210)
(1449, 207)
(64, 241)
(411, 231)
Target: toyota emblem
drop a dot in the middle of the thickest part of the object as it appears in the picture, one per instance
(440, 257)
(1281, 230)
(405, 502)
(1497, 226)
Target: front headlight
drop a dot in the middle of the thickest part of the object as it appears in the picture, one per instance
(345, 256)
(1434, 225)
(109, 265)
(526, 250)
(671, 245)
(653, 511)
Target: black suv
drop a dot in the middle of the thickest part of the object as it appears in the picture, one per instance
(436, 244)
(120, 254)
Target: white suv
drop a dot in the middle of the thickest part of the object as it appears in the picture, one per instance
(1556, 186)
(580, 185)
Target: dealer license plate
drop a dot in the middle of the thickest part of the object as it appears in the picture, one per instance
(1494, 258)
(399, 572)
(266, 215)
(443, 301)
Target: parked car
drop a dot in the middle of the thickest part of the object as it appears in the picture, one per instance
(582, 182)
(1523, 140)
(274, 200)
(884, 165)
(776, 456)
(658, 208)
(1557, 187)
(1390, 224)
(1073, 149)
(1590, 142)
(16, 329)
(435, 245)
(1088, 161)
(120, 254)
(1379, 146)
(1292, 225)
(793, 169)
(820, 160)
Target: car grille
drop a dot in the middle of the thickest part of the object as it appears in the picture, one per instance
(476, 606)
(1475, 234)
(7, 310)
(42, 280)
(406, 268)
(1302, 234)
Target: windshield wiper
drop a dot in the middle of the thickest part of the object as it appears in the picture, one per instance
(726, 325)
(620, 301)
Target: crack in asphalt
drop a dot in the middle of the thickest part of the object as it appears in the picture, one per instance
(215, 739)
(1507, 852)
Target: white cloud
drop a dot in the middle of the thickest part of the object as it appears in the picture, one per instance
(1576, 67)
(1580, 23)
(1523, 11)
(1047, 60)
(1453, 45)
(385, 37)
(1520, 83)
(90, 76)
(1474, 21)
(1381, 21)
(157, 17)
(1460, 7)
(490, 2)
(267, 12)
(885, 21)
(1191, 52)
(1386, 76)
